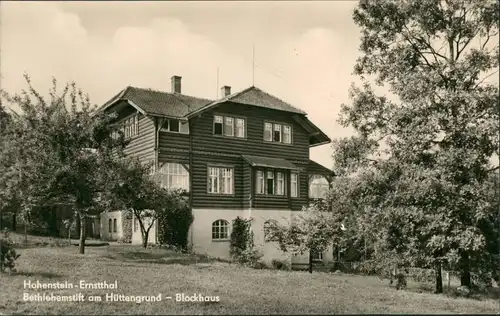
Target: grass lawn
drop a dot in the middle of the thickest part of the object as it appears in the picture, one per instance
(241, 290)
(42, 241)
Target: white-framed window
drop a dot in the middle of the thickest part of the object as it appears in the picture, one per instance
(220, 180)
(317, 255)
(115, 135)
(240, 128)
(268, 132)
(318, 187)
(287, 134)
(294, 184)
(220, 230)
(184, 128)
(115, 226)
(280, 183)
(110, 225)
(270, 182)
(175, 126)
(213, 180)
(174, 176)
(259, 182)
(228, 126)
(277, 133)
(218, 124)
(227, 180)
(130, 126)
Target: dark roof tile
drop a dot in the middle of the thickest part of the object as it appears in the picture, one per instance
(160, 103)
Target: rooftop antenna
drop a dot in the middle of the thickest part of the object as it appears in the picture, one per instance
(217, 89)
(253, 65)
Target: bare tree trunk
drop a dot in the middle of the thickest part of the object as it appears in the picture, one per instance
(78, 223)
(145, 237)
(82, 234)
(25, 228)
(25, 234)
(14, 222)
(310, 262)
(439, 278)
(465, 277)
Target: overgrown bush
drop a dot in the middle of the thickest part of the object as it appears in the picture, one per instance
(423, 275)
(8, 254)
(173, 226)
(242, 248)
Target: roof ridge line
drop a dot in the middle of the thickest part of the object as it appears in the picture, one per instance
(273, 96)
(172, 93)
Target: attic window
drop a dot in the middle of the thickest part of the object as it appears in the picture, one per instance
(218, 121)
(277, 133)
(130, 126)
(175, 126)
(229, 126)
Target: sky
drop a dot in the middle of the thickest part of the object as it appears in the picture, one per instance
(304, 51)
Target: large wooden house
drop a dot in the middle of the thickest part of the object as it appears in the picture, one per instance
(246, 154)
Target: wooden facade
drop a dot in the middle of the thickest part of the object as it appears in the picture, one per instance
(200, 149)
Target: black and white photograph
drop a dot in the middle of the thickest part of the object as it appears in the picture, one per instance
(249, 157)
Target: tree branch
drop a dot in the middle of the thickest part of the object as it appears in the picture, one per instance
(486, 77)
(493, 169)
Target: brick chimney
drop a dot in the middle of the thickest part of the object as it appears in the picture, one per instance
(176, 84)
(225, 91)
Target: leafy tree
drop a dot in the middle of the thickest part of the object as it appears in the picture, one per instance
(315, 230)
(64, 149)
(135, 190)
(422, 154)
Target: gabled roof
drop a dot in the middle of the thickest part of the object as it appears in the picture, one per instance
(158, 103)
(258, 161)
(253, 96)
(176, 105)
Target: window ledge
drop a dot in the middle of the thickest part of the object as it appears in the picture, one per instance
(230, 137)
(220, 240)
(167, 131)
(277, 143)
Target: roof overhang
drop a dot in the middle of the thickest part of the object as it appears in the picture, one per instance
(266, 162)
(313, 165)
(316, 135)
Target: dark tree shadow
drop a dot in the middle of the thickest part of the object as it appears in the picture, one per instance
(156, 257)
